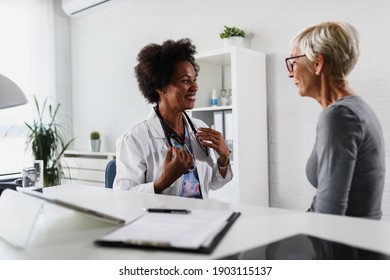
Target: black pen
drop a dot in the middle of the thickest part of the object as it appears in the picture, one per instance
(168, 210)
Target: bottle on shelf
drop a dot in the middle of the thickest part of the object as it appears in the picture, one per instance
(214, 98)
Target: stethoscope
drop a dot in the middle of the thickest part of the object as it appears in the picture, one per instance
(175, 140)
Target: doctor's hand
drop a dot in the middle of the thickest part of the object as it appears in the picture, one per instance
(213, 139)
(176, 163)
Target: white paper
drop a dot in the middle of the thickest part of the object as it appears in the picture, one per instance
(176, 230)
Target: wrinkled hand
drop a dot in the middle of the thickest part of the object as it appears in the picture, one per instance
(213, 139)
(176, 163)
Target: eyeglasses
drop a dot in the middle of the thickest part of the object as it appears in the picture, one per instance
(290, 61)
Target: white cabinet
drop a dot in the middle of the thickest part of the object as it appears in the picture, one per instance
(245, 121)
(86, 167)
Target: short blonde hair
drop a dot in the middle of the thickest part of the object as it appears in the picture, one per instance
(338, 42)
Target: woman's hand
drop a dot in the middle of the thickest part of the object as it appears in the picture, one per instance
(213, 139)
(177, 162)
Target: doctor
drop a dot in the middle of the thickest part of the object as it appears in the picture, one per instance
(169, 152)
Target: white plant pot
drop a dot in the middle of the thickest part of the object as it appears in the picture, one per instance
(95, 145)
(236, 41)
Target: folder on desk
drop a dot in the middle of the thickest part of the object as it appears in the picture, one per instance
(199, 231)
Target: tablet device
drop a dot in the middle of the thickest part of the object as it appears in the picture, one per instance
(306, 247)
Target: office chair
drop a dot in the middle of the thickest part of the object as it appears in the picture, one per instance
(110, 173)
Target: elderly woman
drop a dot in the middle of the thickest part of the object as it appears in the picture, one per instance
(169, 152)
(347, 164)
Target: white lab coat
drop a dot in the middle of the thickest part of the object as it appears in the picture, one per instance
(141, 152)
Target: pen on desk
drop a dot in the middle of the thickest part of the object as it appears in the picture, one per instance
(168, 210)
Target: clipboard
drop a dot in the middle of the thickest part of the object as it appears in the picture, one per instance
(88, 212)
(146, 231)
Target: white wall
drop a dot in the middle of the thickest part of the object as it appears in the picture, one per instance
(104, 45)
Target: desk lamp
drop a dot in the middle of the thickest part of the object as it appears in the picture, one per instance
(10, 96)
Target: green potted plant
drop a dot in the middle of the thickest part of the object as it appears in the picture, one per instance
(47, 143)
(95, 141)
(232, 36)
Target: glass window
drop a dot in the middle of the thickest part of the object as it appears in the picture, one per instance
(25, 49)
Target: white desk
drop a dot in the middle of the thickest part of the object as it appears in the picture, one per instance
(64, 234)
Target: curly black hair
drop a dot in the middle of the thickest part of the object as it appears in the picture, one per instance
(156, 65)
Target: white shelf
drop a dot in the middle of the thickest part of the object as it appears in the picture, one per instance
(87, 167)
(88, 154)
(244, 122)
(212, 108)
(222, 56)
